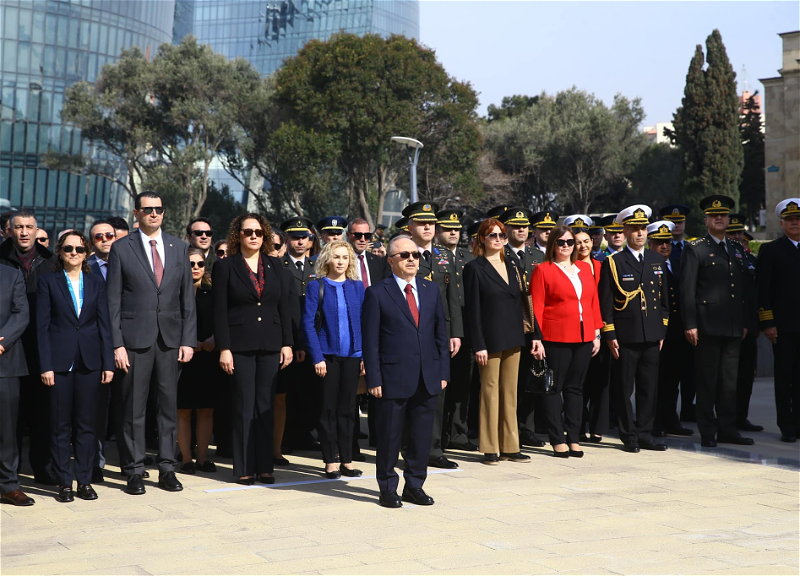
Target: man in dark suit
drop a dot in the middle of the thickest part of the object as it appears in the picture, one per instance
(713, 309)
(154, 328)
(200, 235)
(13, 321)
(674, 350)
(778, 274)
(406, 358)
(437, 265)
(634, 303)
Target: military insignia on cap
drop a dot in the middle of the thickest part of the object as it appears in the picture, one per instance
(578, 222)
(547, 218)
(734, 220)
(519, 214)
(664, 229)
(426, 208)
(676, 212)
(716, 204)
(453, 216)
(639, 213)
(791, 206)
(299, 223)
(333, 222)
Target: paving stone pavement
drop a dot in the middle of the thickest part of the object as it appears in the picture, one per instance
(687, 511)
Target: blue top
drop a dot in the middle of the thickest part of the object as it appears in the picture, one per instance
(340, 333)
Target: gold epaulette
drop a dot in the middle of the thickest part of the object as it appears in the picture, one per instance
(666, 321)
(607, 327)
(628, 295)
(764, 315)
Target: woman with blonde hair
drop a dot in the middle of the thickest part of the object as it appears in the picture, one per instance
(332, 330)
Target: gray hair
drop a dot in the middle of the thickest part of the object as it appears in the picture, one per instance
(22, 213)
(394, 240)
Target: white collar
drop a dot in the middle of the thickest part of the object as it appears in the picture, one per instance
(296, 260)
(636, 253)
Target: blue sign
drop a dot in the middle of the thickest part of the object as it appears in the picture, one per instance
(772, 168)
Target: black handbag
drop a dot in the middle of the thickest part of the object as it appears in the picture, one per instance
(540, 378)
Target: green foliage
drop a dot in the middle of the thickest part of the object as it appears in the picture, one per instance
(752, 189)
(656, 179)
(706, 130)
(220, 208)
(510, 107)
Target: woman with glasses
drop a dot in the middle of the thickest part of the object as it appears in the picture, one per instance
(76, 359)
(253, 332)
(564, 295)
(332, 330)
(200, 377)
(221, 249)
(497, 314)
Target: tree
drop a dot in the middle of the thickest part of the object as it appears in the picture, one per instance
(510, 107)
(752, 189)
(221, 208)
(706, 129)
(656, 178)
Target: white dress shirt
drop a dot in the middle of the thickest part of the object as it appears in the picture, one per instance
(149, 250)
(636, 254)
(402, 284)
(359, 258)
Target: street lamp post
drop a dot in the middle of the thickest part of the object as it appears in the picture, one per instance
(415, 145)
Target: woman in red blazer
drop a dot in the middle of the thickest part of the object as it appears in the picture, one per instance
(564, 295)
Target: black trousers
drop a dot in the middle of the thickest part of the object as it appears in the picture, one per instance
(637, 376)
(437, 449)
(746, 375)
(157, 364)
(34, 411)
(252, 395)
(717, 363)
(73, 403)
(9, 450)
(222, 416)
(569, 362)
(415, 415)
(338, 407)
(456, 403)
(530, 407)
(671, 370)
(303, 401)
(787, 382)
(595, 393)
(688, 387)
(103, 405)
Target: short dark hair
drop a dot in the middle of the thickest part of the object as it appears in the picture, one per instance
(84, 242)
(4, 218)
(202, 219)
(98, 222)
(21, 213)
(357, 222)
(146, 194)
(119, 223)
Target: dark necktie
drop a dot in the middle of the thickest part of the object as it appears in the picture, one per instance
(641, 258)
(724, 248)
(427, 256)
(364, 276)
(158, 265)
(299, 265)
(521, 255)
(412, 304)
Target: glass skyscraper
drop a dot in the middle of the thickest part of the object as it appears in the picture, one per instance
(45, 46)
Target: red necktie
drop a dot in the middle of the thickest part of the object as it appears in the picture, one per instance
(364, 276)
(412, 304)
(158, 266)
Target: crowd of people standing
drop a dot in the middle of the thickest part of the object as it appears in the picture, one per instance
(258, 340)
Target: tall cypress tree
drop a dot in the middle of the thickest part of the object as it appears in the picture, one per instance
(706, 130)
(752, 187)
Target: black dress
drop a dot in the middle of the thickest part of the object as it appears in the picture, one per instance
(202, 376)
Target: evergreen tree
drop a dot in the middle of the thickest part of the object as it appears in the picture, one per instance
(706, 130)
(752, 188)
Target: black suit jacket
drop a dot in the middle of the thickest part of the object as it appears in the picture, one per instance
(712, 287)
(530, 260)
(243, 322)
(494, 307)
(778, 274)
(140, 310)
(300, 279)
(442, 270)
(13, 322)
(377, 267)
(66, 339)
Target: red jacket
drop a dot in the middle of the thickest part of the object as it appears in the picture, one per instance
(555, 304)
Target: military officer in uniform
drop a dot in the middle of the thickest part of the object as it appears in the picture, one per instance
(402, 225)
(676, 213)
(437, 264)
(713, 308)
(675, 349)
(541, 225)
(578, 222)
(456, 404)
(297, 383)
(596, 232)
(748, 354)
(472, 233)
(331, 228)
(634, 303)
(614, 235)
(778, 275)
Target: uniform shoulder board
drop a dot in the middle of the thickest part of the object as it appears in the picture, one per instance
(734, 241)
(286, 262)
(696, 241)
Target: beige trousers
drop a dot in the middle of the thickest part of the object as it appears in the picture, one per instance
(498, 413)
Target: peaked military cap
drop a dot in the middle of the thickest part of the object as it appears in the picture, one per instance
(544, 219)
(578, 222)
(450, 219)
(717, 204)
(402, 224)
(421, 211)
(472, 229)
(636, 215)
(300, 226)
(661, 230)
(497, 211)
(737, 223)
(332, 224)
(516, 217)
(788, 207)
(674, 212)
(610, 224)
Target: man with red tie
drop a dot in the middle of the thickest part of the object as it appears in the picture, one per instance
(407, 362)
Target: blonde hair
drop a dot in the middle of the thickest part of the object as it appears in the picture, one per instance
(325, 257)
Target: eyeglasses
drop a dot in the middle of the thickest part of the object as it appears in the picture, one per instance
(106, 235)
(195, 264)
(42, 239)
(406, 255)
(569, 242)
(277, 246)
(250, 231)
(220, 253)
(150, 209)
(68, 249)
(496, 236)
(199, 233)
(361, 235)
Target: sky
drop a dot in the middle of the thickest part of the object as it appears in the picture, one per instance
(639, 49)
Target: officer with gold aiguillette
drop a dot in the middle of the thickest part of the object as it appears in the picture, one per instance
(634, 303)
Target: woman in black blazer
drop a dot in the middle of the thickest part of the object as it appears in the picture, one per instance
(497, 316)
(76, 359)
(253, 331)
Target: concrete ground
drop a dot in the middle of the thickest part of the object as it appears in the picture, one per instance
(688, 510)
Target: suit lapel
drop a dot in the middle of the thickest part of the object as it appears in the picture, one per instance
(243, 271)
(138, 250)
(61, 280)
(88, 294)
(399, 298)
(492, 273)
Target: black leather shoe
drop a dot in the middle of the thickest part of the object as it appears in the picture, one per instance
(167, 481)
(86, 492)
(740, 440)
(517, 457)
(266, 479)
(188, 468)
(359, 457)
(708, 443)
(145, 474)
(564, 454)
(207, 466)
(530, 440)
(748, 426)
(679, 431)
(350, 472)
(246, 481)
(632, 448)
(442, 462)
(575, 453)
(65, 494)
(390, 500)
(491, 459)
(135, 485)
(97, 475)
(417, 496)
(333, 475)
(654, 446)
(788, 438)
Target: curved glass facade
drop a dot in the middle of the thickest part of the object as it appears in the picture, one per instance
(45, 46)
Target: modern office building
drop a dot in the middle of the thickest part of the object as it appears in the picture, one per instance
(45, 46)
